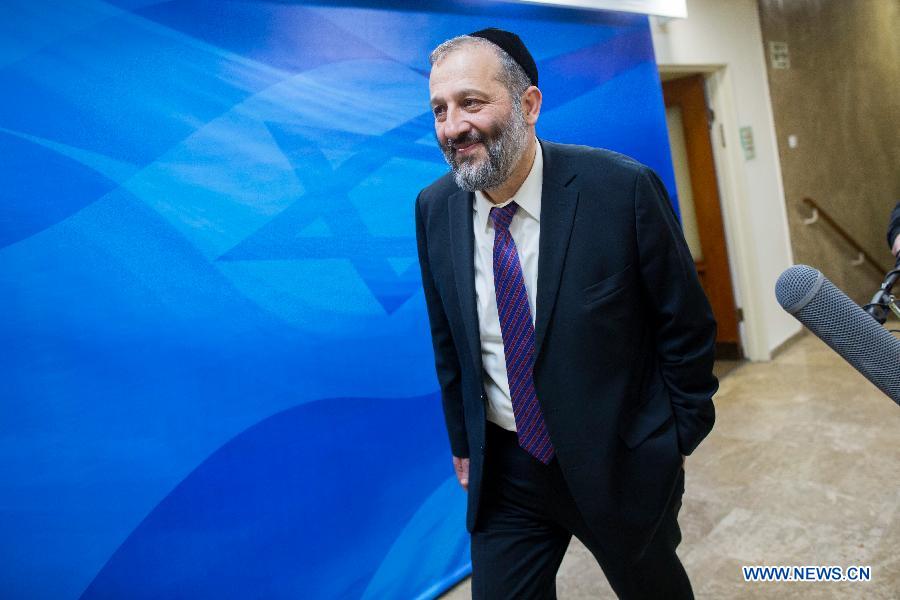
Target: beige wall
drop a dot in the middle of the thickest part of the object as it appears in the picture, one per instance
(841, 99)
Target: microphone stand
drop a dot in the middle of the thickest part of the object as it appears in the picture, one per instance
(883, 300)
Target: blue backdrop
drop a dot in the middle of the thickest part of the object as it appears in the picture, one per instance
(216, 376)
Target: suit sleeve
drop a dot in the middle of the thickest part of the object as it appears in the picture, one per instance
(894, 226)
(683, 320)
(446, 359)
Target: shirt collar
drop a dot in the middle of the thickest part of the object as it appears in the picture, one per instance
(528, 196)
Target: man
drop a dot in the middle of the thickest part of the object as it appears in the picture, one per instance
(573, 344)
(893, 234)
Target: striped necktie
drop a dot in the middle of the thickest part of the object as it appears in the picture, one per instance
(518, 337)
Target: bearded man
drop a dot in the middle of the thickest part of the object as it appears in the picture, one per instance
(573, 343)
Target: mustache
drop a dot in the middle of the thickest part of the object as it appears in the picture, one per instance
(470, 137)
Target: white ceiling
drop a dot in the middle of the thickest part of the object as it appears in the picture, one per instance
(663, 8)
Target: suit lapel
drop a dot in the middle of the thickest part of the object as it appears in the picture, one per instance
(462, 241)
(558, 203)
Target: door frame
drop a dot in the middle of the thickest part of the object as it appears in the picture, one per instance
(728, 157)
(688, 94)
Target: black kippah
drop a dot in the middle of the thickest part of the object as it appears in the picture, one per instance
(512, 45)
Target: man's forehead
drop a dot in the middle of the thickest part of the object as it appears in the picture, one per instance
(471, 67)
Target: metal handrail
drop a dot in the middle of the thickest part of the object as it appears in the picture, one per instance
(863, 256)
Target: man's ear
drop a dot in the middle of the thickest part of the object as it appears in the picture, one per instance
(531, 104)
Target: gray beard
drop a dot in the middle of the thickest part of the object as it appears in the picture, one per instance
(504, 152)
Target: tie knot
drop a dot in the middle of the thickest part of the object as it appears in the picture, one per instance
(502, 216)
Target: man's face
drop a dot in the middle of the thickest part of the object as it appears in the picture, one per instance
(478, 128)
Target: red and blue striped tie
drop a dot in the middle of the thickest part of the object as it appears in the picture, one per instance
(518, 337)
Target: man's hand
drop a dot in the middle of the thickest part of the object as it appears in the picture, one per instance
(896, 247)
(461, 466)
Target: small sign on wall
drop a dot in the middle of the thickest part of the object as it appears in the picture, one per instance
(779, 57)
(747, 143)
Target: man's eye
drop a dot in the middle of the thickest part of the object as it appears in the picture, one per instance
(470, 102)
(438, 111)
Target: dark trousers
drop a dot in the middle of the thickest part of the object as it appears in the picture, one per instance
(527, 518)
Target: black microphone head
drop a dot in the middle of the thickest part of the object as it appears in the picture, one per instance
(797, 286)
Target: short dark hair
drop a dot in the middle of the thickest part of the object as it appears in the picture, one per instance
(511, 74)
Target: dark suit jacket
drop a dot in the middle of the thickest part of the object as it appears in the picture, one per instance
(624, 336)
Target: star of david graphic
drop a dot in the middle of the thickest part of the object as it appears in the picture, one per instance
(387, 265)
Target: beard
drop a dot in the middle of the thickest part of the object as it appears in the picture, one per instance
(505, 144)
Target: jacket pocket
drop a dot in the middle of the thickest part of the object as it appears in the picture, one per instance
(655, 415)
(607, 286)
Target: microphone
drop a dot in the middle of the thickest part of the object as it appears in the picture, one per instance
(835, 319)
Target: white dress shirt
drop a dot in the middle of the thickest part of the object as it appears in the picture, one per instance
(525, 229)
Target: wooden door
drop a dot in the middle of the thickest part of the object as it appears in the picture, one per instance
(686, 101)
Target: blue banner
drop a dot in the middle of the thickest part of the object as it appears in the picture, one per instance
(217, 378)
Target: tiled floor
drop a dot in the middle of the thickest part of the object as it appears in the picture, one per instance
(802, 468)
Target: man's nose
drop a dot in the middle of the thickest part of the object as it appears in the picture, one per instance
(455, 124)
